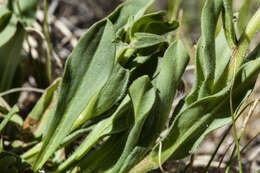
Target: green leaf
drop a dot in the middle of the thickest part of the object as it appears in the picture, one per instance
(5, 15)
(242, 19)
(223, 54)
(8, 117)
(135, 8)
(227, 18)
(143, 40)
(112, 92)
(116, 123)
(28, 10)
(173, 66)
(143, 97)
(153, 23)
(7, 30)
(69, 139)
(87, 70)
(104, 157)
(205, 53)
(10, 46)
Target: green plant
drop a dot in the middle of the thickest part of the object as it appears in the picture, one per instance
(119, 84)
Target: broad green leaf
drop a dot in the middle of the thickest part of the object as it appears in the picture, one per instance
(129, 8)
(143, 40)
(35, 118)
(153, 23)
(87, 70)
(227, 18)
(111, 125)
(28, 10)
(205, 53)
(112, 92)
(173, 66)
(8, 117)
(143, 97)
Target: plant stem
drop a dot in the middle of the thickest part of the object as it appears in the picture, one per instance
(19, 8)
(48, 40)
(233, 116)
(173, 6)
(21, 89)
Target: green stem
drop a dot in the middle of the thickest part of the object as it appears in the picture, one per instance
(48, 40)
(233, 119)
(21, 89)
(173, 6)
(19, 8)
